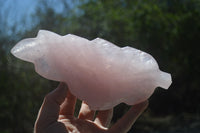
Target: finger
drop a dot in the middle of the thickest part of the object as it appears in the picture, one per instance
(103, 118)
(49, 110)
(86, 112)
(124, 124)
(68, 106)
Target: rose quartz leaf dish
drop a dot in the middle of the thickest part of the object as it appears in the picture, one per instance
(97, 71)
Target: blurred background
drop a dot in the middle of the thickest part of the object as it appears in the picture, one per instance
(168, 29)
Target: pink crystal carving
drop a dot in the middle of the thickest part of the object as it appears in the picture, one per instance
(97, 71)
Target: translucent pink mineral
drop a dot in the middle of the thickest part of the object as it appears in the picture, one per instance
(97, 71)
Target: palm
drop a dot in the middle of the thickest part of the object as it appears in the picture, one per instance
(82, 126)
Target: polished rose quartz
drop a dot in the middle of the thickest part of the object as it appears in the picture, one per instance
(97, 71)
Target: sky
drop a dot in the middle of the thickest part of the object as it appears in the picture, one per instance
(14, 12)
(17, 9)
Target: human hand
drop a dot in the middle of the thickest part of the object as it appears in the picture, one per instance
(56, 115)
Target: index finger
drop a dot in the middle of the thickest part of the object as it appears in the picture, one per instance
(50, 108)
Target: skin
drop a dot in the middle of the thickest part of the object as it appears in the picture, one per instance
(56, 115)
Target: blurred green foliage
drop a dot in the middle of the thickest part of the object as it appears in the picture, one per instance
(169, 30)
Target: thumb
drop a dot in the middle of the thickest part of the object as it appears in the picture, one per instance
(124, 124)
